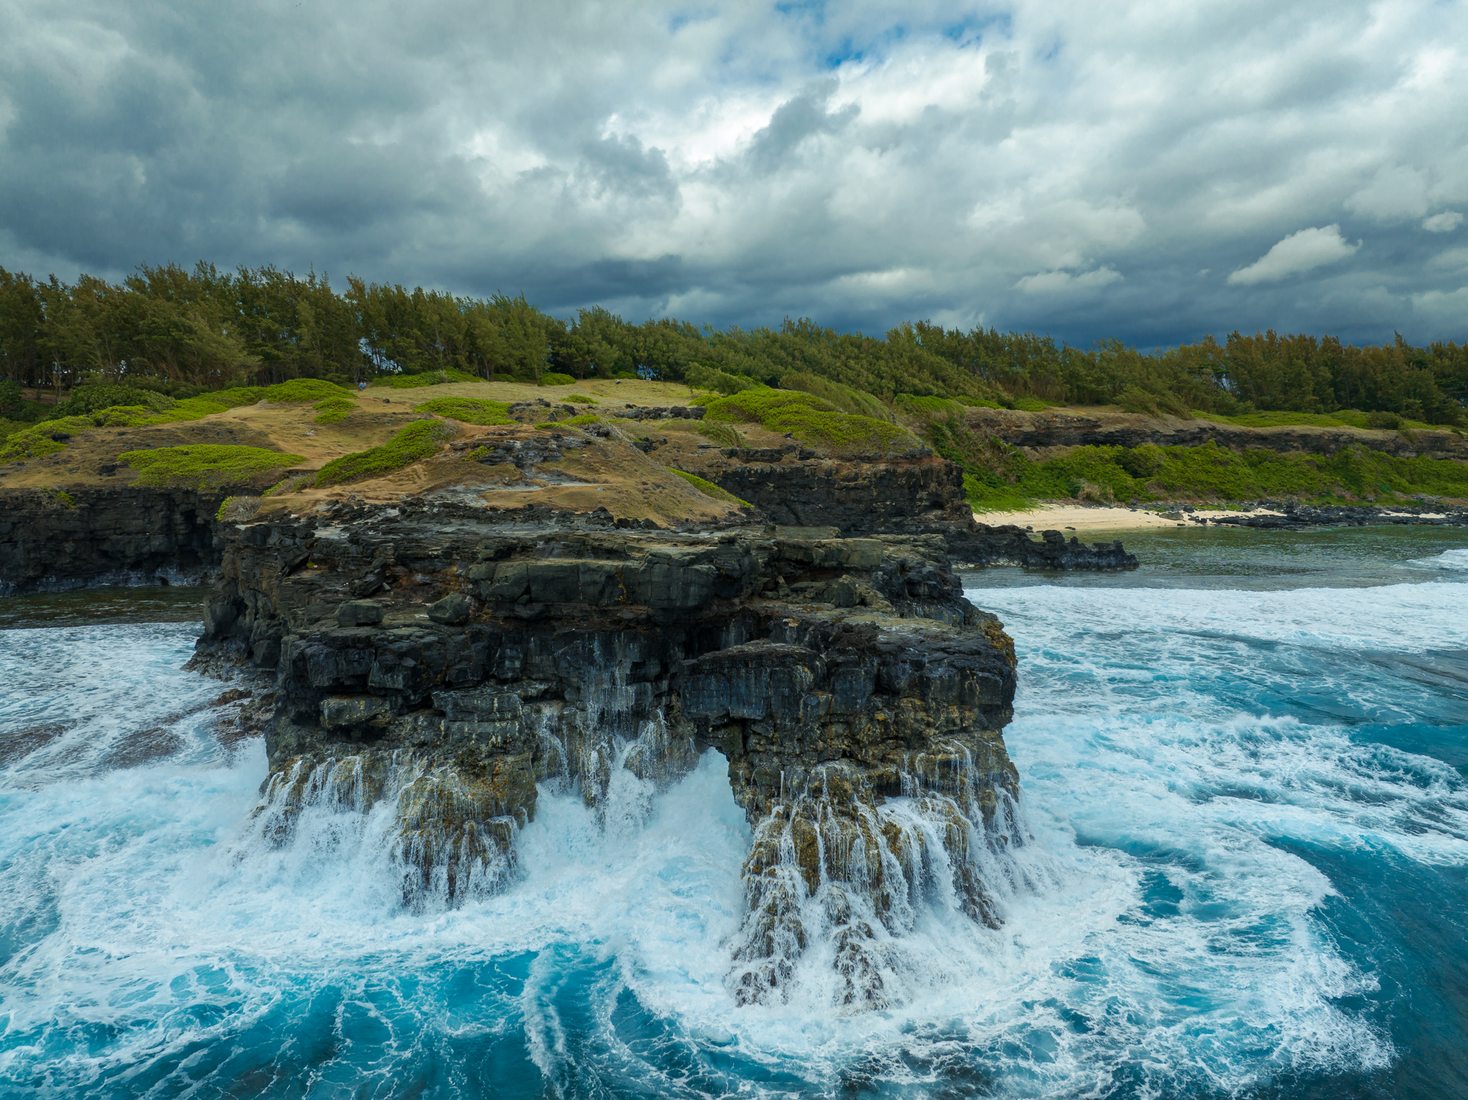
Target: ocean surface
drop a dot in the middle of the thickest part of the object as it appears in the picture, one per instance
(1244, 771)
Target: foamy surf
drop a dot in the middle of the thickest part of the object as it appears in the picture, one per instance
(1204, 774)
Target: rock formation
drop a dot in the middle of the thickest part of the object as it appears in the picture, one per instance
(906, 495)
(442, 663)
(80, 536)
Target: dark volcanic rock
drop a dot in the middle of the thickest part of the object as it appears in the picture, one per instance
(1043, 431)
(105, 536)
(832, 674)
(1292, 515)
(902, 496)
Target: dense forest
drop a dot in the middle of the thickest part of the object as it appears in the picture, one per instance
(184, 331)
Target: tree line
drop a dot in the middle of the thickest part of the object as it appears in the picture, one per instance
(191, 330)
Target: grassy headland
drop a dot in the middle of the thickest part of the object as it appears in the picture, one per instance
(332, 381)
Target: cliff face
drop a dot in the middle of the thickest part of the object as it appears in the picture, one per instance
(1042, 431)
(439, 666)
(901, 496)
(104, 535)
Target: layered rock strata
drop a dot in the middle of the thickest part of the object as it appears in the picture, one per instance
(908, 495)
(447, 667)
(87, 536)
(1043, 432)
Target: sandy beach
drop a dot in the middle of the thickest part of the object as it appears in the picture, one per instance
(1095, 518)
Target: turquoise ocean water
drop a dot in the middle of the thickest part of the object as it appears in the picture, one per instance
(1244, 772)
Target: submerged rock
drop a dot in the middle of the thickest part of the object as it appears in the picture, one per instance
(856, 695)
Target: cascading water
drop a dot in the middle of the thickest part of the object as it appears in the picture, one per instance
(835, 879)
(1239, 869)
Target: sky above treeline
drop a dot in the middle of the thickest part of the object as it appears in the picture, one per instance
(1150, 171)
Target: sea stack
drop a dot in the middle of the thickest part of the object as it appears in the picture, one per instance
(443, 660)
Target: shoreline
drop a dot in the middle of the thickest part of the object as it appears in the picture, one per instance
(1097, 518)
(1101, 519)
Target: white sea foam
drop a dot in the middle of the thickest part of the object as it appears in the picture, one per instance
(1454, 561)
(1169, 933)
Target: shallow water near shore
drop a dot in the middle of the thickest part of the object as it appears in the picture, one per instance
(1244, 766)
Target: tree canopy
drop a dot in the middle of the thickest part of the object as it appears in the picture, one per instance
(203, 329)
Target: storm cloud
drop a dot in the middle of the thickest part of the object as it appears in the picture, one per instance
(1152, 171)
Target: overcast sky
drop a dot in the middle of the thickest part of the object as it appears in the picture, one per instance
(1151, 171)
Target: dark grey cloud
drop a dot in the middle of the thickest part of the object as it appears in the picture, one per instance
(1152, 172)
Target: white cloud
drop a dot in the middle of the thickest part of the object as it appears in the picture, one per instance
(1299, 252)
(1451, 259)
(1053, 282)
(737, 163)
(1445, 307)
(1396, 193)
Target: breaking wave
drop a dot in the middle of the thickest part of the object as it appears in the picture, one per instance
(1234, 807)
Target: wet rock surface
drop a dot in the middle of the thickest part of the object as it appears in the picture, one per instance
(1288, 514)
(857, 697)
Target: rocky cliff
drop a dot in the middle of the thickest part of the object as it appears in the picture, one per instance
(83, 536)
(907, 495)
(1041, 432)
(436, 665)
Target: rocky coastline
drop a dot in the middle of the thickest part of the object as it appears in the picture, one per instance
(444, 662)
(1289, 515)
(78, 537)
(908, 495)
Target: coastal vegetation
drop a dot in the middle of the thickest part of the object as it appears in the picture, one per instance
(468, 410)
(184, 332)
(708, 488)
(1208, 472)
(409, 444)
(204, 465)
(169, 346)
(812, 420)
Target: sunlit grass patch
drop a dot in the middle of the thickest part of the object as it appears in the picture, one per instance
(412, 443)
(469, 410)
(205, 465)
(813, 421)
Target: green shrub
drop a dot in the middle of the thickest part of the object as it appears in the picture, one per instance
(303, 391)
(702, 377)
(38, 440)
(12, 404)
(426, 378)
(205, 465)
(836, 394)
(412, 443)
(333, 410)
(813, 421)
(708, 488)
(928, 407)
(724, 435)
(207, 404)
(580, 420)
(468, 410)
(93, 396)
(1029, 404)
(555, 378)
(124, 416)
(580, 399)
(1217, 474)
(1134, 399)
(1341, 418)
